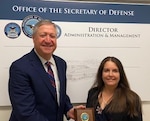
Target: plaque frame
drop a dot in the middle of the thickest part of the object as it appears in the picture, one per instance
(86, 114)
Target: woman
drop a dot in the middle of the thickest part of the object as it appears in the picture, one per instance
(111, 96)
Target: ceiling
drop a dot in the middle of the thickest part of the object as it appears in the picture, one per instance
(122, 1)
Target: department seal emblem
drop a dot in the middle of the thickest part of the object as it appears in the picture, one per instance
(58, 31)
(84, 117)
(12, 30)
(28, 24)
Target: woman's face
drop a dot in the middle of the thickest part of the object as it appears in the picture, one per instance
(110, 74)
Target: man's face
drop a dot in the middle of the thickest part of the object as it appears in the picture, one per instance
(45, 41)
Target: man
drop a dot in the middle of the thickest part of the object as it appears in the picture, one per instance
(32, 95)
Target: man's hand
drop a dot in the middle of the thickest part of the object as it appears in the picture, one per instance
(70, 113)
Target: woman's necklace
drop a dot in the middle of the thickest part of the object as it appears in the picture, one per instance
(103, 101)
(106, 102)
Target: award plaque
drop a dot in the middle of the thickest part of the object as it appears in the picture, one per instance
(86, 114)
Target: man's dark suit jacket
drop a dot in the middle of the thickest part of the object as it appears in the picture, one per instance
(31, 93)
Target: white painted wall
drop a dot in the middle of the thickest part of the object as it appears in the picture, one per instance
(6, 110)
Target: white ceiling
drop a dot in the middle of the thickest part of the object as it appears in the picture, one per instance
(123, 1)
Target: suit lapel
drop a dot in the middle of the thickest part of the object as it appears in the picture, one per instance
(61, 68)
(36, 63)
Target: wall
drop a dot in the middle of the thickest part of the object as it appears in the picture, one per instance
(6, 110)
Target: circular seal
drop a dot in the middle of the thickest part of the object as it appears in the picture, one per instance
(12, 30)
(58, 31)
(28, 24)
(84, 117)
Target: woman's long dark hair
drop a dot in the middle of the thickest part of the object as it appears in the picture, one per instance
(124, 99)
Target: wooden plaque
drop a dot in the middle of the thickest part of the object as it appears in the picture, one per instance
(86, 114)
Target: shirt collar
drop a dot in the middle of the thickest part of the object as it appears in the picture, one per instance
(44, 61)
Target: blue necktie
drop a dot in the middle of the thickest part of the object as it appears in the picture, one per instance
(51, 76)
